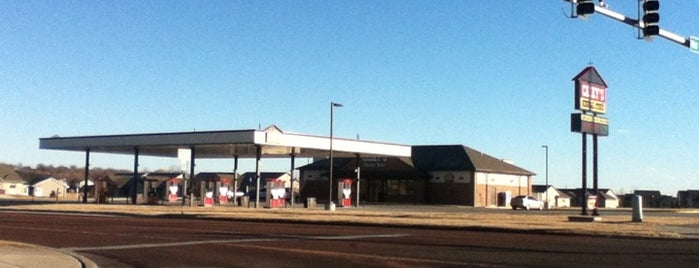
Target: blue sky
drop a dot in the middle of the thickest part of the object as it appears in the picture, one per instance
(491, 75)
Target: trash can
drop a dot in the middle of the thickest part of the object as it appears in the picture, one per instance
(310, 202)
(152, 198)
(244, 201)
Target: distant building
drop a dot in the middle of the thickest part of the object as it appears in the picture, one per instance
(11, 183)
(606, 198)
(688, 198)
(48, 187)
(14, 182)
(435, 174)
(550, 195)
(649, 198)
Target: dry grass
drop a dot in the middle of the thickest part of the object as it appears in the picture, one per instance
(554, 223)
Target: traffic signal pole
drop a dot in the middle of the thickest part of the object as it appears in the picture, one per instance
(638, 24)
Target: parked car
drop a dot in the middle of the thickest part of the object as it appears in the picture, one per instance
(526, 202)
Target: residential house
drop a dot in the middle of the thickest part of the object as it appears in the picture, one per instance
(649, 198)
(49, 187)
(552, 197)
(605, 198)
(11, 183)
(688, 198)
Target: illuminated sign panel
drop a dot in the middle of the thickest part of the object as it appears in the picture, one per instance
(590, 92)
(591, 97)
(589, 124)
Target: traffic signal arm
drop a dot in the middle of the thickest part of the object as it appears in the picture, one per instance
(639, 24)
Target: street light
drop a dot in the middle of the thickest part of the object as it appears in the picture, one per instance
(547, 174)
(330, 180)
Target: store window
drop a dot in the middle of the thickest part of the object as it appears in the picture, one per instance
(401, 187)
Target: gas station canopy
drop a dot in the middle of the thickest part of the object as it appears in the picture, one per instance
(272, 143)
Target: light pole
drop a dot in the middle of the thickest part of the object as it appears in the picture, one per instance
(547, 175)
(330, 176)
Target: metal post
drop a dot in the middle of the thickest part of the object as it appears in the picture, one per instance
(87, 174)
(291, 172)
(583, 191)
(330, 176)
(359, 164)
(257, 175)
(235, 177)
(134, 183)
(595, 211)
(547, 176)
(191, 172)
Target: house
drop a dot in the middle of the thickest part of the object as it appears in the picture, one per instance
(434, 174)
(606, 198)
(48, 187)
(552, 197)
(11, 183)
(688, 198)
(14, 182)
(649, 198)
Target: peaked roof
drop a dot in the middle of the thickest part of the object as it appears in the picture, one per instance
(540, 188)
(9, 174)
(591, 75)
(459, 157)
(45, 180)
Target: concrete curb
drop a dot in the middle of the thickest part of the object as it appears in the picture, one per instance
(13, 254)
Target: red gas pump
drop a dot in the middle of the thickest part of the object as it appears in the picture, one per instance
(223, 192)
(172, 188)
(344, 192)
(275, 193)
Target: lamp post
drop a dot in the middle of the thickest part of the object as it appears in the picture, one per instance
(547, 175)
(330, 176)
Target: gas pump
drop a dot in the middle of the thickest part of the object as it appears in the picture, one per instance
(173, 187)
(223, 191)
(276, 193)
(344, 192)
(207, 193)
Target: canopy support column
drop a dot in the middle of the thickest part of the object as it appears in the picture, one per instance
(258, 156)
(358, 170)
(291, 173)
(134, 183)
(87, 174)
(192, 154)
(235, 177)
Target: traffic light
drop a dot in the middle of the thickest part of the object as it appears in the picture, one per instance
(585, 8)
(651, 18)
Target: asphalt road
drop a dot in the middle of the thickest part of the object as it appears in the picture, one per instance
(124, 241)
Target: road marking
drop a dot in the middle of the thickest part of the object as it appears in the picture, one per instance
(224, 241)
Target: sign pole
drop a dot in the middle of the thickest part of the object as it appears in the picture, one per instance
(594, 174)
(583, 194)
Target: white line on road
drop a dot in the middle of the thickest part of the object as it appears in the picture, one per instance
(223, 241)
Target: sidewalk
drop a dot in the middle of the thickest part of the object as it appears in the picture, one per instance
(14, 254)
